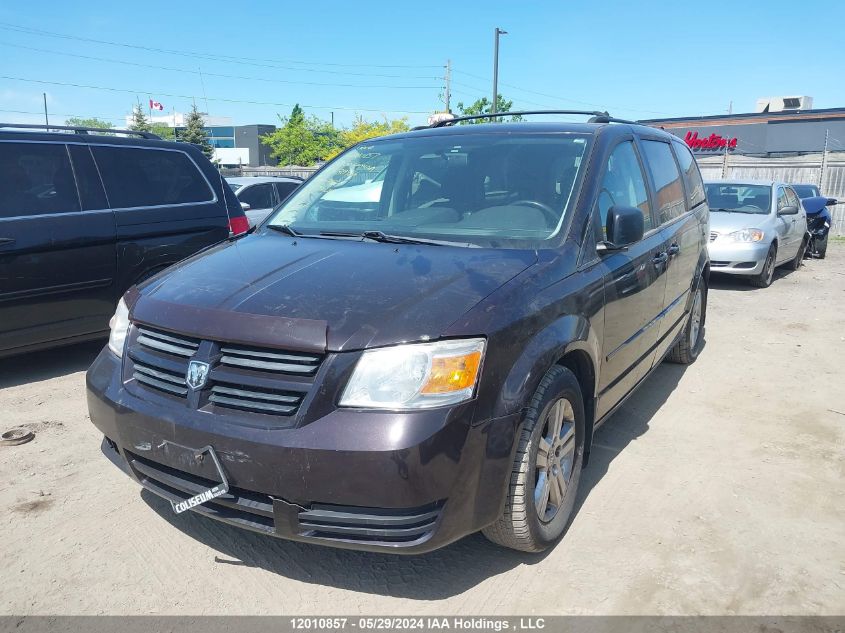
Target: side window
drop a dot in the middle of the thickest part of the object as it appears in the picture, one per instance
(623, 184)
(667, 180)
(139, 177)
(692, 176)
(783, 202)
(36, 179)
(87, 178)
(284, 189)
(257, 196)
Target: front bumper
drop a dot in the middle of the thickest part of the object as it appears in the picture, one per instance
(737, 258)
(381, 481)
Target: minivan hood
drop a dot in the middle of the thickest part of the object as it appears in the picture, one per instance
(366, 294)
(723, 222)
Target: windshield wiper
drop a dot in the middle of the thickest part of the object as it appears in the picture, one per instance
(380, 236)
(728, 210)
(287, 229)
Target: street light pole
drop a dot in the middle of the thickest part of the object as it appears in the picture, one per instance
(496, 35)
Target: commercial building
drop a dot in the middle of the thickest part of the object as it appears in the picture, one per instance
(234, 145)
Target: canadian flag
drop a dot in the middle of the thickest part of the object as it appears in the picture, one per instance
(155, 105)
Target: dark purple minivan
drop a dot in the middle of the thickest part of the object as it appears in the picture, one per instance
(420, 342)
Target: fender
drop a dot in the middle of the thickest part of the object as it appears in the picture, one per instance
(567, 334)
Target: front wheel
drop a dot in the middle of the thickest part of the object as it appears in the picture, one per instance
(687, 348)
(764, 279)
(547, 467)
(821, 247)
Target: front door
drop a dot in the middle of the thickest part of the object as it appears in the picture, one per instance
(635, 283)
(57, 255)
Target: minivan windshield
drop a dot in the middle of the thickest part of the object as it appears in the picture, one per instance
(754, 199)
(482, 189)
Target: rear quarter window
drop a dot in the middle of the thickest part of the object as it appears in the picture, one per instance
(141, 177)
(691, 174)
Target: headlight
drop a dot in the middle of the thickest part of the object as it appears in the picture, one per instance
(415, 376)
(119, 325)
(746, 235)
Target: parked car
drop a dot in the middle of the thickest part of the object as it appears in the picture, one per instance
(755, 227)
(395, 377)
(806, 191)
(258, 195)
(83, 217)
(819, 222)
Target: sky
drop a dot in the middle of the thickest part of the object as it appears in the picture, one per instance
(252, 61)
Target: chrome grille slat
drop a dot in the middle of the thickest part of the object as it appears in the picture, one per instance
(251, 405)
(178, 380)
(285, 368)
(303, 358)
(244, 393)
(160, 384)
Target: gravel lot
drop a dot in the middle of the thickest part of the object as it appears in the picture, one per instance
(717, 489)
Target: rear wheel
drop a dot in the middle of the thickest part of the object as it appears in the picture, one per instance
(691, 342)
(547, 467)
(764, 279)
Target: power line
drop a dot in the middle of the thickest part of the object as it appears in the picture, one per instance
(65, 114)
(252, 61)
(201, 73)
(220, 99)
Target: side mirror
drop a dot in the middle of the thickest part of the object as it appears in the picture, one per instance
(790, 210)
(624, 227)
(245, 206)
(831, 201)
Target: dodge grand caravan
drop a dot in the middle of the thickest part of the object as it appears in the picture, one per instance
(84, 216)
(393, 374)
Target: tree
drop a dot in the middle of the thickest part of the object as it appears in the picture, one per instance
(195, 133)
(482, 106)
(163, 130)
(301, 140)
(92, 122)
(139, 121)
(362, 129)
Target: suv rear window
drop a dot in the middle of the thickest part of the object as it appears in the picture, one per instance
(36, 179)
(142, 177)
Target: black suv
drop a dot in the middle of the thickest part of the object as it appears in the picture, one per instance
(420, 342)
(85, 216)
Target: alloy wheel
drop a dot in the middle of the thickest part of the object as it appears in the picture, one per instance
(555, 459)
(695, 323)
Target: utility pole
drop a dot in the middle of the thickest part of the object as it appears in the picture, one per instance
(824, 158)
(448, 84)
(46, 118)
(725, 164)
(731, 107)
(496, 35)
(332, 119)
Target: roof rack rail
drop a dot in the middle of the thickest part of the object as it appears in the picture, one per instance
(606, 118)
(79, 129)
(592, 113)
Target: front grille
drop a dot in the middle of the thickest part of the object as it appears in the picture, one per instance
(255, 401)
(256, 386)
(242, 507)
(713, 235)
(718, 264)
(167, 343)
(369, 525)
(267, 360)
(160, 379)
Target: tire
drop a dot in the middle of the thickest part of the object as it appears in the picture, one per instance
(795, 263)
(686, 350)
(533, 486)
(764, 279)
(821, 247)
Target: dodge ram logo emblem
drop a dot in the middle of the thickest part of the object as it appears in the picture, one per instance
(197, 374)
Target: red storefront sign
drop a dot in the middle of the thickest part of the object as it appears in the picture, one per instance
(714, 141)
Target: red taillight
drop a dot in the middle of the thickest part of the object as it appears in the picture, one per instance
(238, 225)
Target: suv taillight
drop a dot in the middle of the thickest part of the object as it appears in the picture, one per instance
(238, 225)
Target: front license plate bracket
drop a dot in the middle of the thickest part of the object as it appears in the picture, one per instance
(210, 493)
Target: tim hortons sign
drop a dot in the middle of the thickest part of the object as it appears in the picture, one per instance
(714, 141)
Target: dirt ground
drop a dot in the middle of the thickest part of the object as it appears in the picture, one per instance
(717, 489)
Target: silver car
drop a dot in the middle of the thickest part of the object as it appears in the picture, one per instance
(755, 227)
(259, 195)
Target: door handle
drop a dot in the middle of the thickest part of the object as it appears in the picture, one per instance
(660, 258)
(6, 240)
(673, 250)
